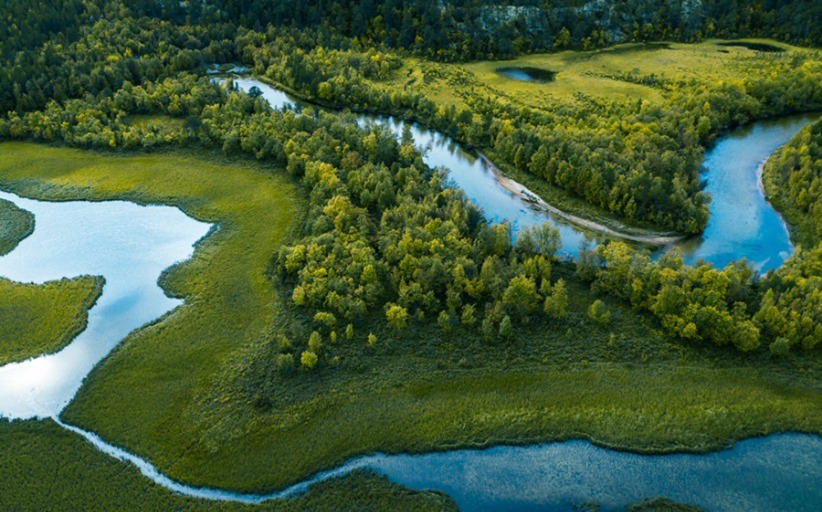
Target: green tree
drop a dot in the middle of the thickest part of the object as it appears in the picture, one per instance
(599, 313)
(308, 360)
(557, 302)
(521, 296)
(397, 316)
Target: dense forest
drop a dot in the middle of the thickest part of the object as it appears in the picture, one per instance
(794, 183)
(492, 28)
(382, 228)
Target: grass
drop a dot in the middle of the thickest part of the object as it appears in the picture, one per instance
(602, 73)
(38, 319)
(46, 468)
(15, 225)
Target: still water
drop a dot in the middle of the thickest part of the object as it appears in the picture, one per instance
(129, 245)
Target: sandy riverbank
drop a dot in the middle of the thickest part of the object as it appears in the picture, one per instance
(539, 203)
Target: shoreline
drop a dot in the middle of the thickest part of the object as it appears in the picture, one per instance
(538, 203)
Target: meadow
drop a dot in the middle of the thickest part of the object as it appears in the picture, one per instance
(45, 468)
(37, 319)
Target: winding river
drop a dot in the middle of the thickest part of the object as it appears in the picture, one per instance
(742, 223)
(130, 245)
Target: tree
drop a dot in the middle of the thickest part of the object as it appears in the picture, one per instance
(563, 39)
(308, 360)
(599, 313)
(557, 302)
(314, 342)
(506, 329)
(285, 363)
(397, 316)
(521, 296)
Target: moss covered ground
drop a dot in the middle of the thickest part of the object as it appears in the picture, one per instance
(15, 225)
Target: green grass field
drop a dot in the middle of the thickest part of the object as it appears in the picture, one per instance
(196, 392)
(15, 225)
(38, 319)
(609, 74)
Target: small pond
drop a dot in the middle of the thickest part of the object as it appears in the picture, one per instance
(528, 74)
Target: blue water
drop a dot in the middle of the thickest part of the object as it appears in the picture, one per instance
(742, 223)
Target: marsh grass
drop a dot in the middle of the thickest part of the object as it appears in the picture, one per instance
(38, 319)
(46, 468)
(15, 225)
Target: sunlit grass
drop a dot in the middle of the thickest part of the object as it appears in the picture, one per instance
(15, 225)
(37, 319)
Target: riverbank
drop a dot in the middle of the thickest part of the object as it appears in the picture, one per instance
(537, 202)
(790, 183)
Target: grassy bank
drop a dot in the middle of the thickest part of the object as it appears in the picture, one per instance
(791, 178)
(45, 468)
(198, 395)
(38, 319)
(15, 225)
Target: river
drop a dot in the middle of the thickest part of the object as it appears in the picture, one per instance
(742, 223)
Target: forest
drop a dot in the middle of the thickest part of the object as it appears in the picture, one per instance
(383, 230)
(385, 276)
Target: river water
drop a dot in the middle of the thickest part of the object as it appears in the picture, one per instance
(742, 223)
(130, 245)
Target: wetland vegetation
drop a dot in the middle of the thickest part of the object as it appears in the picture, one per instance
(350, 303)
(38, 319)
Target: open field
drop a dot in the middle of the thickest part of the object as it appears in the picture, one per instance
(627, 72)
(37, 319)
(196, 393)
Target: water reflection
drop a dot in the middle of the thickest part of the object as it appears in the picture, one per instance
(129, 245)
